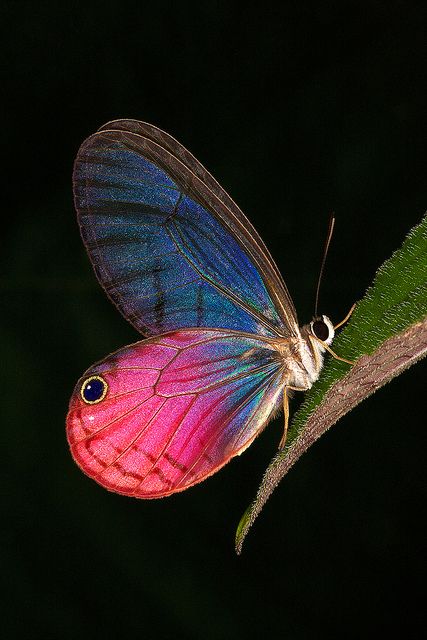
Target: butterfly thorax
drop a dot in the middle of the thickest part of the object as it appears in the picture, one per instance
(302, 355)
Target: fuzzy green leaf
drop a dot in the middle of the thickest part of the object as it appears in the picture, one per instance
(387, 333)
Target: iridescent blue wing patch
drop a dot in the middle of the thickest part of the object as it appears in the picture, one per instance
(169, 246)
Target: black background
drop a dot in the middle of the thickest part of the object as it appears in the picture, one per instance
(297, 109)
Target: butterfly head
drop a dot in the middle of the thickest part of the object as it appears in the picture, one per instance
(323, 329)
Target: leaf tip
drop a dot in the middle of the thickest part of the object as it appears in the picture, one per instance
(242, 529)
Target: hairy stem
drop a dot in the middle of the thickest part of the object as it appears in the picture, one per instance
(368, 374)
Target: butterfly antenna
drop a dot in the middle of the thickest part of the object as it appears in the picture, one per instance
(325, 253)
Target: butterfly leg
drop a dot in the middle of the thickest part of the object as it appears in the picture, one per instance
(328, 348)
(286, 412)
(340, 324)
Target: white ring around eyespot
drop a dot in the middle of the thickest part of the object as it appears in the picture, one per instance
(104, 393)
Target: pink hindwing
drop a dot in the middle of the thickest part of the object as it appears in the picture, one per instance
(161, 415)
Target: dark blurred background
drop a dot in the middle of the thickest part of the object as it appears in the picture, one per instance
(297, 109)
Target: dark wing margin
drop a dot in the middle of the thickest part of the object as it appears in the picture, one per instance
(167, 243)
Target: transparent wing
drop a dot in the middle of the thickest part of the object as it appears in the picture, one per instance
(167, 243)
(178, 407)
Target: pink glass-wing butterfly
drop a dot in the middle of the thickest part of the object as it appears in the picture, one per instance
(187, 269)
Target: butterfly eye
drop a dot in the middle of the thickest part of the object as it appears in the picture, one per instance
(320, 329)
(93, 390)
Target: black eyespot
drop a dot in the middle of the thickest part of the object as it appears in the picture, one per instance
(320, 329)
(93, 389)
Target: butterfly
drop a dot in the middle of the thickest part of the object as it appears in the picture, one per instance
(222, 347)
